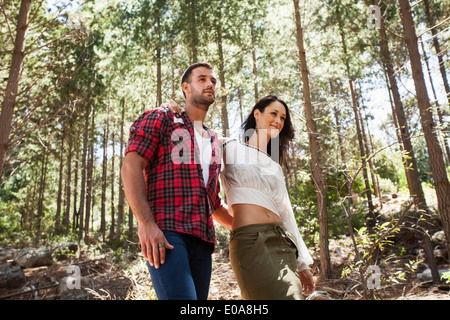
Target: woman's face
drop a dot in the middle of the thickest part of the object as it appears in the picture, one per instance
(271, 120)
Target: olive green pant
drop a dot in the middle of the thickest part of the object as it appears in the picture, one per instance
(263, 258)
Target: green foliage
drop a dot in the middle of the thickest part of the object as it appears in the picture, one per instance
(423, 162)
(9, 222)
(446, 276)
(304, 202)
(381, 239)
(388, 168)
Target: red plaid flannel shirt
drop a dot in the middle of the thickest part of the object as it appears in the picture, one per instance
(176, 191)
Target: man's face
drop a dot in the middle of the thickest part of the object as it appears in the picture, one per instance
(201, 90)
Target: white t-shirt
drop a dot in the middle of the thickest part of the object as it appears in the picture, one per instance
(205, 147)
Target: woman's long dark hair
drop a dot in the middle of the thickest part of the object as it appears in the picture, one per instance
(285, 137)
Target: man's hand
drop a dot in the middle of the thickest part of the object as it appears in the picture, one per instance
(307, 280)
(153, 243)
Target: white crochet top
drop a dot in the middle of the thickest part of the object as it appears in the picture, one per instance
(250, 176)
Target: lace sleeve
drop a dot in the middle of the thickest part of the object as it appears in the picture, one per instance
(304, 259)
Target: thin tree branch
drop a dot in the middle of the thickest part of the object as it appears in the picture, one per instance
(37, 127)
(435, 26)
(35, 13)
(46, 44)
(11, 36)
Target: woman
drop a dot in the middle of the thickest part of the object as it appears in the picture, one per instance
(268, 256)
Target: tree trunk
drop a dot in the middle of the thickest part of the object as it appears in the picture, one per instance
(351, 81)
(371, 150)
(194, 35)
(317, 174)
(174, 76)
(440, 179)
(440, 114)
(84, 160)
(68, 181)
(439, 54)
(376, 190)
(12, 86)
(32, 203)
(60, 184)
(83, 172)
(437, 47)
(120, 206)
(104, 176)
(113, 182)
(90, 176)
(158, 77)
(158, 65)
(223, 99)
(75, 191)
(348, 184)
(40, 206)
(409, 159)
(371, 216)
(255, 73)
(29, 206)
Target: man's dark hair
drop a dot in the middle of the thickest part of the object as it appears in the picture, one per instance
(187, 74)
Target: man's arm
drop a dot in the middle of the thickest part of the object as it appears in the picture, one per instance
(223, 217)
(149, 233)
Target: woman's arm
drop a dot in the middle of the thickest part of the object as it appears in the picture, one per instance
(223, 217)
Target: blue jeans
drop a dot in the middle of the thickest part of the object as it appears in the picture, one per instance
(186, 272)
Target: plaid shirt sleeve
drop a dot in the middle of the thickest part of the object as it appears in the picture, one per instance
(145, 134)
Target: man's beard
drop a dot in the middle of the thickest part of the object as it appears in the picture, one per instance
(203, 102)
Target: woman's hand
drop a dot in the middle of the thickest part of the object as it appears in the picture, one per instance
(173, 106)
(307, 280)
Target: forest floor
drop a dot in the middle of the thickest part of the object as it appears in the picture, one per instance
(104, 279)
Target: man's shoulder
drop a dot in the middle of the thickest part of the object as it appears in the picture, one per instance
(159, 113)
(160, 116)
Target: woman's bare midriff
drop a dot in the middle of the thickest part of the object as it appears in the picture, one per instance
(246, 214)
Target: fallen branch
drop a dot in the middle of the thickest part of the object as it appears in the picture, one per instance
(28, 291)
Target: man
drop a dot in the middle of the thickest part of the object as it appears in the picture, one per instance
(175, 202)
